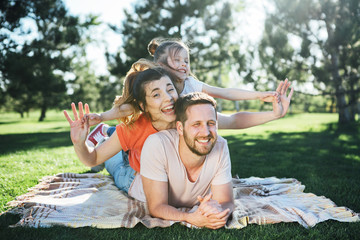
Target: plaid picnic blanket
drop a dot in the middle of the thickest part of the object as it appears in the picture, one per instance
(79, 200)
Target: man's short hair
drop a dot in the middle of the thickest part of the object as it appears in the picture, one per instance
(190, 99)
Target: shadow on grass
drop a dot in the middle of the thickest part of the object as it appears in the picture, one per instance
(327, 162)
(9, 122)
(10, 143)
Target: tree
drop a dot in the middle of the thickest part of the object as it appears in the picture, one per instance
(47, 56)
(84, 86)
(206, 25)
(329, 31)
(276, 54)
(156, 18)
(11, 12)
(215, 59)
(18, 70)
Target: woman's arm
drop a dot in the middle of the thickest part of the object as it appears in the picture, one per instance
(79, 129)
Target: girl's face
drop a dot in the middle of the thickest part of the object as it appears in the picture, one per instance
(160, 98)
(180, 64)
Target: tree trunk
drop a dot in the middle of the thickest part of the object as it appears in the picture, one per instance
(237, 107)
(344, 114)
(343, 109)
(353, 98)
(332, 108)
(43, 112)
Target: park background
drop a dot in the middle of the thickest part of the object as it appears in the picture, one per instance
(52, 53)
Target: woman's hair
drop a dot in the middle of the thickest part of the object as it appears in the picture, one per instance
(141, 72)
(160, 49)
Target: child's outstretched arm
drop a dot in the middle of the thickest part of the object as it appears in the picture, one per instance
(235, 94)
(123, 110)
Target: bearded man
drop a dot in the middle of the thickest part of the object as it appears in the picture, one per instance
(189, 166)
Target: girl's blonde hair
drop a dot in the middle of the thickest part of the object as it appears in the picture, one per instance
(160, 49)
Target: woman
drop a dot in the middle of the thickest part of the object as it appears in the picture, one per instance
(154, 95)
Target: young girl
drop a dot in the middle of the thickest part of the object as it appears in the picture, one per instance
(174, 55)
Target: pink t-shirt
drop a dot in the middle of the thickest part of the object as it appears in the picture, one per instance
(160, 161)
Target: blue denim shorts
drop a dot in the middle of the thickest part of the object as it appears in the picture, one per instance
(118, 166)
(110, 131)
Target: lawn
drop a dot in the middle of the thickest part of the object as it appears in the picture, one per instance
(308, 147)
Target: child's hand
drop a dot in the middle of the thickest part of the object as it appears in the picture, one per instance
(269, 96)
(94, 118)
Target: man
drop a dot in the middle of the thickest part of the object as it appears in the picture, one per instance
(180, 167)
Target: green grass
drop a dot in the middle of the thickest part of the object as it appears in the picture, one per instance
(308, 147)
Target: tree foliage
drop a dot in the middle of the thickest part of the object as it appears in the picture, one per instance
(329, 32)
(206, 25)
(33, 72)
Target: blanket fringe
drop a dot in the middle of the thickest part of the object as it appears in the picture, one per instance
(79, 200)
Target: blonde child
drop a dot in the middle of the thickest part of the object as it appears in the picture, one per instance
(174, 55)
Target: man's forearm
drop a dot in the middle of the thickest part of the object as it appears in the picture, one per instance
(228, 205)
(168, 212)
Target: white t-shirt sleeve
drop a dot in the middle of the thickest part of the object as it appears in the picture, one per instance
(192, 85)
(223, 173)
(152, 163)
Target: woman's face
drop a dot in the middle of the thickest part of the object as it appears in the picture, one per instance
(160, 99)
(180, 64)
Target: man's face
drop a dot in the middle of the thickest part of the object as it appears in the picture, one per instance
(200, 129)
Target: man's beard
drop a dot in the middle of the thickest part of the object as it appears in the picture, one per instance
(191, 143)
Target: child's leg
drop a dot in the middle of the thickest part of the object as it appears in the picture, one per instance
(106, 132)
(110, 131)
(118, 166)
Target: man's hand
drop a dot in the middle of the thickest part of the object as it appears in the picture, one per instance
(208, 206)
(213, 221)
(209, 214)
(79, 127)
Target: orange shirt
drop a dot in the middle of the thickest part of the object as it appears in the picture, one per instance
(132, 138)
